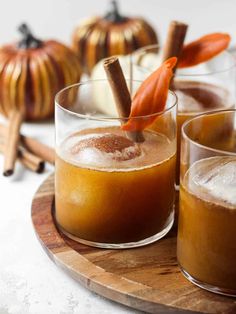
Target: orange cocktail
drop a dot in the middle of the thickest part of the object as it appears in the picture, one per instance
(195, 98)
(207, 223)
(205, 87)
(206, 246)
(111, 191)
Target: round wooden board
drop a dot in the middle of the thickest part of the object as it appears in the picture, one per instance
(146, 278)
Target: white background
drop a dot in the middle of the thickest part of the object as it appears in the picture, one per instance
(29, 281)
(57, 18)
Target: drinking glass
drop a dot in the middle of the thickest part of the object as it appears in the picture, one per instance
(206, 247)
(209, 86)
(110, 191)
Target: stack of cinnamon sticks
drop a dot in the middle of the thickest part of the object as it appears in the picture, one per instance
(15, 146)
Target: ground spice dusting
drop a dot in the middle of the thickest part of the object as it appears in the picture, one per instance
(121, 147)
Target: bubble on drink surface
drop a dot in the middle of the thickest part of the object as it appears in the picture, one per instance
(215, 177)
(187, 103)
(103, 149)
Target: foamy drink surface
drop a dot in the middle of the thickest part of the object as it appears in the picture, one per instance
(110, 149)
(200, 96)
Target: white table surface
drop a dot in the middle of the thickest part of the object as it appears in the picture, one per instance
(30, 283)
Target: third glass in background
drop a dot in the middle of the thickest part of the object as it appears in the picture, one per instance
(206, 247)
(206, 87)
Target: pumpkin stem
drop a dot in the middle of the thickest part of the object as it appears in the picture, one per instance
(28, 40)
(114, 14)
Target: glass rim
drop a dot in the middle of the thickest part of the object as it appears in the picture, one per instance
(212, 113)
(109, 118)
(193, 114)
(227, 52)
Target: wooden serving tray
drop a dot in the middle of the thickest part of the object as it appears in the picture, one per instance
(146, 278)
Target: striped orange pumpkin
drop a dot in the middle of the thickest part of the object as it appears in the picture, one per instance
(32, 72)
(101, 37)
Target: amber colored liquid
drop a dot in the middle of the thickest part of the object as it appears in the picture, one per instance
(224, 137)
(112, 205)
(206, 245)
(216, 132)
(210, 98)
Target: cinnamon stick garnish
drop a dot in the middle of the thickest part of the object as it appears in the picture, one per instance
(12, 140)
(30, 161)
(120, 93)
(175, 40)
(37, 148)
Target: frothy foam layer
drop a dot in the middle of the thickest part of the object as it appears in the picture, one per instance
(109, 148)
(198, 97)
(106, 146)
(214, 179)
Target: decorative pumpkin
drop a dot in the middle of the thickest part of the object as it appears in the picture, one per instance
(113, 34)
(32, 72)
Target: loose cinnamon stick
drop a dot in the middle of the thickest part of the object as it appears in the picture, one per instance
(12, 140)
(120, 92)
(41, 150)
(175, 39)
(30, 161)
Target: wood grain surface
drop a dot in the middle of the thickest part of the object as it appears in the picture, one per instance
(146, 278)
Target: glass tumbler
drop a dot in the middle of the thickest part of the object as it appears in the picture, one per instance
(206, 246)
(209, 86)
(111, 191)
